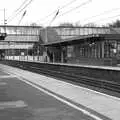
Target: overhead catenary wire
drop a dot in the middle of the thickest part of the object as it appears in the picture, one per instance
(84, 3)
(62, 7)
(20, 11)
(106, 18)
(21, 5)
(22, 17)
(100, 14)
(15, 11)
(54, 17)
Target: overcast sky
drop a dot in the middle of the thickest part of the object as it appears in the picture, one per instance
(36, 12)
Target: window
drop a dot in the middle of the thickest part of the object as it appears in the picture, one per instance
(110, 48)
(69, 51)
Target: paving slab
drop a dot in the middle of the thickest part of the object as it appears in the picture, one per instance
(104, 104)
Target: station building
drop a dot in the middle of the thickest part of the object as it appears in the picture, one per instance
(74, 45)
(83, 45)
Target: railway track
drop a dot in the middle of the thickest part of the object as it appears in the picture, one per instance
(103, 84)
(70, 76)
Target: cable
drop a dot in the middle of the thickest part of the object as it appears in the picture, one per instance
(17, 9)
(21, 5)
(22, 17)
(75, 8)
(54, 17)
(106, 18)
(105, 12)
(20, 10)
(59, 9)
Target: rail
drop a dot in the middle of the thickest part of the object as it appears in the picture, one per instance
(73, 73)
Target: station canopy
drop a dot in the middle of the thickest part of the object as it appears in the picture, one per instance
(70, 35)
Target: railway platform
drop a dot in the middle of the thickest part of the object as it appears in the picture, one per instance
(95, 104)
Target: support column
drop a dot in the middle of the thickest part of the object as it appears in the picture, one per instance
(53, 57)
(99, 50)
(27, 54)
(33, 54)
(62, 58)
(46, 56)
(14, 52)
(19, 54)
(38, 53)
(102, 47)
(7, 54)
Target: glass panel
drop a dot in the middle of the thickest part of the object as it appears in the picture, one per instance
(110, 49)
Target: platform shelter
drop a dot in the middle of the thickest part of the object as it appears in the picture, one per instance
(83, 45)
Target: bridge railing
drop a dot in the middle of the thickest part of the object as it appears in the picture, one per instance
(81, 31)
(62, 33)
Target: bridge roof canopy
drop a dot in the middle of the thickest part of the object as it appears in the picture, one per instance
(79, 39)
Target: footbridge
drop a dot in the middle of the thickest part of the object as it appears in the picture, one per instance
(19, 36)
(13, 37)
(32, 40)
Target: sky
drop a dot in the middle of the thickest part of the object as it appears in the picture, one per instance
(55, 12)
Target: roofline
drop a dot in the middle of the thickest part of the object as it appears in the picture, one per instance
(78, 27)
(69, 39)
(105, 36)
(20, 26)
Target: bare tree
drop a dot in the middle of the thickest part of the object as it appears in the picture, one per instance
(115, 24)
(33, 24)
(90, 25)
(66, 24)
